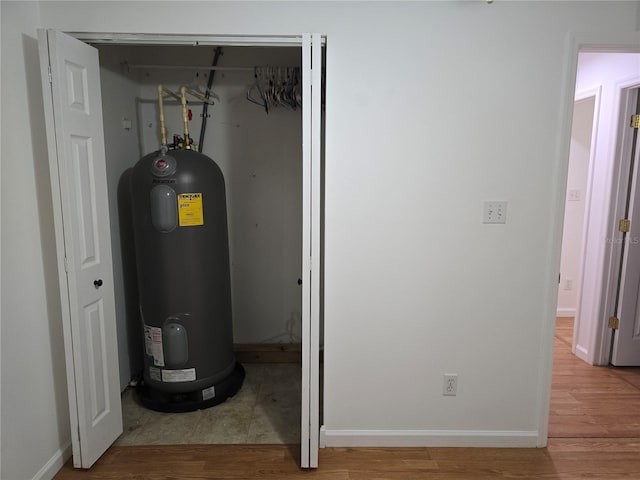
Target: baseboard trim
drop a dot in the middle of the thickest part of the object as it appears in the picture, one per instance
(582, 353)
(566, 312)
(55, 463)
(429, 438)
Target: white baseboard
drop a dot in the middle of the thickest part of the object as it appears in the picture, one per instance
(582, 353)
(566, 312)
(428, 438)
(55, 463)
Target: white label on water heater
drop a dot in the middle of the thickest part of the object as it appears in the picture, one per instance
(148, 343)
(153, 344)
(184, 375)
(208, 393)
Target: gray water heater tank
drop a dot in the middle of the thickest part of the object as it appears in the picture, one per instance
(182, 258)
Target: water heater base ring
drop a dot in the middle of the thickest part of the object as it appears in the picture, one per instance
(191, 401)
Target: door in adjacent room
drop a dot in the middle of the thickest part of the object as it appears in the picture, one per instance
(626, 338)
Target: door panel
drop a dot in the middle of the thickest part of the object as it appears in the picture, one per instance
(85, 192)
(626, 344)
(77, 88)
(314, 340)
(311, 184)
(94, 317)
(73, 112)
(306, 251)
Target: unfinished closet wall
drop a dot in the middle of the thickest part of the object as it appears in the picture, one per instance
(259, 155)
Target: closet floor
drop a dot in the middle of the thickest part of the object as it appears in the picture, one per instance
(265, 410)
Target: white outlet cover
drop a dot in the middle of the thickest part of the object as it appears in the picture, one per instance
(494, 212)
(450, 384)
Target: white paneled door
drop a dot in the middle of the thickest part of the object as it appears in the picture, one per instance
(73, 111)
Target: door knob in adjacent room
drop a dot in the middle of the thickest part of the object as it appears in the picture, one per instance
(299, 281)
(97, 283)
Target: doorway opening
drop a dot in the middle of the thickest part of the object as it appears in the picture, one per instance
(259, 154)
(73, 96)
(599, 177)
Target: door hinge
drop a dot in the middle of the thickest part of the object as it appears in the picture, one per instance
(66, 264)
(614, 323)
(624, 225)
(635, 121)
(49, 74)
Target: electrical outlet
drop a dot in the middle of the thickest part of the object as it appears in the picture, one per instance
(450, 384)
(568, 284)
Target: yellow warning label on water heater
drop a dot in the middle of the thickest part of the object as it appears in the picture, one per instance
(190, 209)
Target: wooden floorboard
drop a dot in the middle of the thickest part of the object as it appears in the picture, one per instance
(594, 434)
(588, 401)
(562, 459)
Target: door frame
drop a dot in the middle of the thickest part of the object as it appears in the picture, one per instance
(591, 335)
(595, 94)
(575, 42)
(312, 147)
(599, 301)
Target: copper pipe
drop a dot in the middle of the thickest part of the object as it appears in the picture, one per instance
(185, 118)
(162, 91)
(163, 129)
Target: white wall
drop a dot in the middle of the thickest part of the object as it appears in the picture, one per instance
(610, 72)
(423, 102)
(579, 155)
(34, 417)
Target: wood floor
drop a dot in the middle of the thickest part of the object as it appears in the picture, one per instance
(591, 402)
(594, 434)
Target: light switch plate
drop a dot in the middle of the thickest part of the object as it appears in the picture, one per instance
(495, 212)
